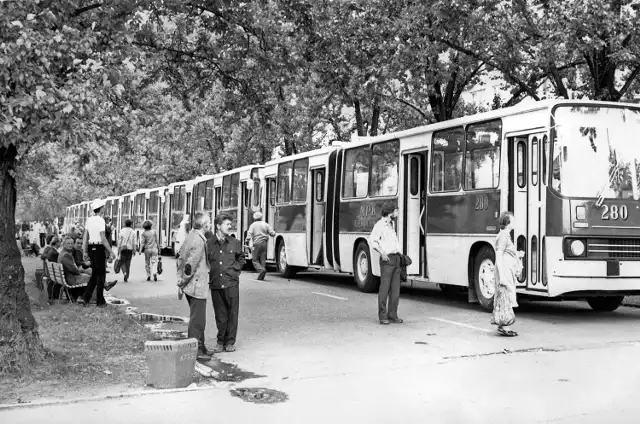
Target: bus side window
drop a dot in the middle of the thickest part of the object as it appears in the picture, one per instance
(355, 181)
(284, 182)
(447, 151)
(384, 169)
(272, 192)
(482, 155)
(300, 175)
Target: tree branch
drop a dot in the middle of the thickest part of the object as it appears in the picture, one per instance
(82, 10)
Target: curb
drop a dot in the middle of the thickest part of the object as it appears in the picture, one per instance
(138, 393)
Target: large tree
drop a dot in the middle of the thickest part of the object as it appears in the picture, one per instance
(58, 74)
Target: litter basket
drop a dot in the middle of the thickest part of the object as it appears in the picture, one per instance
(171, 362)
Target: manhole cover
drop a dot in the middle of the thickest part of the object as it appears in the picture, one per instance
(259, 395)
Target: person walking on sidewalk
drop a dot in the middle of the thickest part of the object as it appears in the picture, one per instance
(226, 260)
(384, 240)
(258, 235)
(126, 248)
(193, 279)
(149, 245)
(97, 249)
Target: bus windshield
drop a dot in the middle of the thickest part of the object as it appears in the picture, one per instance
(596, 152)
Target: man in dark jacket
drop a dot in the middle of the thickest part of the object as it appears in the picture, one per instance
(74, 275)
(51, 252)
(226, 260)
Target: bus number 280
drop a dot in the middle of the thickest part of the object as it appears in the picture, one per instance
(482, 203)
(614, 212)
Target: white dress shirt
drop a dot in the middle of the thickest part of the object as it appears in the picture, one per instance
(95, 225)
(384, 238)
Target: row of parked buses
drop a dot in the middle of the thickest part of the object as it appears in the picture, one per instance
(569, 170)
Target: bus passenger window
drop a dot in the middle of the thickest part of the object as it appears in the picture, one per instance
(556, 166)
(319, 186)
(521, 167)
(446, 172)
(384, 169)
(256, 192)
(414, 177)
(235, 185)
(482, 155)
(226, 191)
(300, 171)
(534, 161)
(545, 158)
(284, 182)
(355, 182)
(272, 192)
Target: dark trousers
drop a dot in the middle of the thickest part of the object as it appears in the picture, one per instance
(125, 262)
(197, 320)
(43, 237)
(259, 256)
(226, 303)
(389, 288)
(98, 272)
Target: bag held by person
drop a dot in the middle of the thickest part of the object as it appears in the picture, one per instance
(116, 265)
(159, 265)
(503, 314)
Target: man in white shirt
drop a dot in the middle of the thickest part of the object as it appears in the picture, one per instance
(384, 240)
(97, 248)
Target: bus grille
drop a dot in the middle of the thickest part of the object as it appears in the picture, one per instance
(613, 248)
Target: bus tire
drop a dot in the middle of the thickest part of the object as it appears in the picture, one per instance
(605, 303)
(483, 277)
(285, 270)
(362, 274)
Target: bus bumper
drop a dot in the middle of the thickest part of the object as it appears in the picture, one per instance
(584, 277)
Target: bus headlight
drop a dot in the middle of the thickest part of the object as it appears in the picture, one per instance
(577, 248)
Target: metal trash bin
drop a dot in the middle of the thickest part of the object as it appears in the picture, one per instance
(171, 362)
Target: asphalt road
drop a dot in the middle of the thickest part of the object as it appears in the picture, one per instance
(317, 339)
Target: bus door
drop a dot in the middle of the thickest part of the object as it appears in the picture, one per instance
(243, 217)
(525, 201)
(415, 212)
(317, 217)
(270, 214)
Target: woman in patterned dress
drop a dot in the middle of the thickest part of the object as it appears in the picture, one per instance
(508, 266)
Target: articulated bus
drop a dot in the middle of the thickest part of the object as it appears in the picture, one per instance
(569, 170)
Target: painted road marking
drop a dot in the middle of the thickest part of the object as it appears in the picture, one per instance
(330, 295)
(461, 324)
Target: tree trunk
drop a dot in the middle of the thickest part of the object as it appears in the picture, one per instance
(20, 342)
(375, 118)
(359, 123)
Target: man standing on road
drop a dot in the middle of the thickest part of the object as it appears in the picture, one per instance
(97, 249)
(258, 235)
(226, 260)
(384, 240)
(193, 272)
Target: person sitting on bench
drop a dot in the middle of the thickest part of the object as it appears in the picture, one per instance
(51, 252)
(72, 273)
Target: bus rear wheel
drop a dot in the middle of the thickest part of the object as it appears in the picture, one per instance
(483, 277)
(362, 274)
(286, 270)
(605, 303)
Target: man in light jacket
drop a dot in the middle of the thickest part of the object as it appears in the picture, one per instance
(193, 280)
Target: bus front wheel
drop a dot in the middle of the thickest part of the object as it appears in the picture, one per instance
(483, 277)
(286, 270)
(605, 303)
(365, 280)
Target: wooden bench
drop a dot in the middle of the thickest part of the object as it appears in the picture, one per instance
(54, 273)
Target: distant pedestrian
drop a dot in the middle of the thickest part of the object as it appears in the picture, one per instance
(42, 232)
(226, 260)
(507, 267)
(193, 280)
(149, 245)
(384, 240)
(258, 236)
(181, 234)
(98, 250)
(51, 231)
(126, 248)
